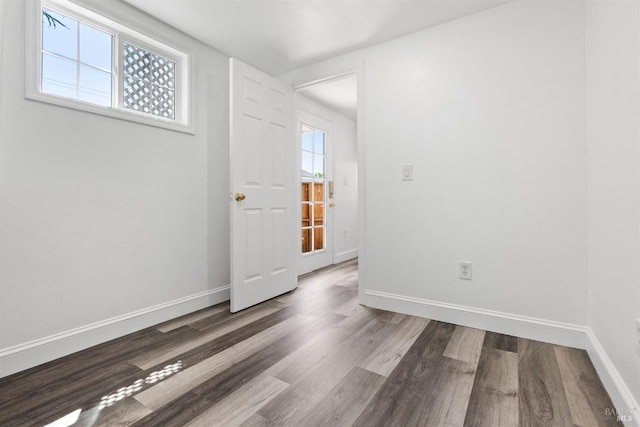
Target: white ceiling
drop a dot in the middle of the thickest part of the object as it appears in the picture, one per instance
(278, 36)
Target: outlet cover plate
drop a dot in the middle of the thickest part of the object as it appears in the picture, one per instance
(465, 270)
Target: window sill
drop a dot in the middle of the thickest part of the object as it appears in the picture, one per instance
(111, 112)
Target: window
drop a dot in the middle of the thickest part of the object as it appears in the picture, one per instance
(76, 60)
(87, 61)
(149, 82)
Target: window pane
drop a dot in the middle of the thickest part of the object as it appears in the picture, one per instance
(163, 72)
(307, 165)
(59, 76)
(136, 62)
(163, 102)
(306, 220)
(149, 82)
(137, 95)
(318, 238)
(318, 192)
(318, 166)
(57, 38)
(318, 214)
(306, 192)
(95, 47)
(306, 241)
(307, 141)
(95, 86)
(319, 142)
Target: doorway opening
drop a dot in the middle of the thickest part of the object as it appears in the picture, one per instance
(329, 157)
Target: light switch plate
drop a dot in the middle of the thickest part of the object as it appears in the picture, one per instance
(407, 172)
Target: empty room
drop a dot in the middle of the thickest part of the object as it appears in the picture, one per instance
(319, 213)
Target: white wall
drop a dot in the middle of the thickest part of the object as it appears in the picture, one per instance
(1, 42)
(512, 172)
(613, 97)
(103, 220)
(490, 111)
(345, 176)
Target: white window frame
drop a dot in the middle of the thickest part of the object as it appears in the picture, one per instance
(33, 66)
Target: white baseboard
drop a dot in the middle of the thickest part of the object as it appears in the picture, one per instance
(505, 323)
(620, 394)
(566, 334)
(27, 355)
(345, 256)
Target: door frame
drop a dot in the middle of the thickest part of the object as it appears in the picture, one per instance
(314, 75)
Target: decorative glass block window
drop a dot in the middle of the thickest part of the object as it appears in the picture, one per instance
(149, 82)
(86, 61)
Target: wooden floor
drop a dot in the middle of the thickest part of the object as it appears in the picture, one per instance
(312, 357)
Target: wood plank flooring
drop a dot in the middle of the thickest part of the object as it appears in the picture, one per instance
(312, 357)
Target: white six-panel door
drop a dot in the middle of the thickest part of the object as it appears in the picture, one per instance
(263, 171)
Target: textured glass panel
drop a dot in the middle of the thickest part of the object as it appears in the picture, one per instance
(59, 76)
(136, 62)
(163, 102)
(57, 38)
(95, 47)
(149, 82)
(163, 72)
(95, 86)
(137, 95)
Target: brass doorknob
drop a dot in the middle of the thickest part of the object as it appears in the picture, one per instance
(240, 197)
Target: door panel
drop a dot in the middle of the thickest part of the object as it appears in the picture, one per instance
(263, 169)
(251, 142)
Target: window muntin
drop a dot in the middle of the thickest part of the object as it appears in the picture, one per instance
(74, 74)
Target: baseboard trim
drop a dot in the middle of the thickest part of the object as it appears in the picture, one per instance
(345, 256)
(33, 353)
(620, 394)
(505, 323)
(522, 326)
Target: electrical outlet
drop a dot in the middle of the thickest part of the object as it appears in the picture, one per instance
(465, 270)
(344, 234)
